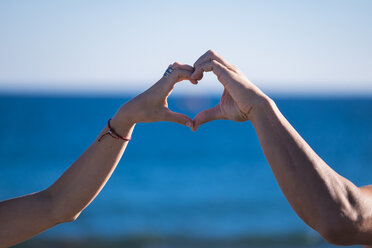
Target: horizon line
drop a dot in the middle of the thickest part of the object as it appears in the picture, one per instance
(130, 94)
(109, 88)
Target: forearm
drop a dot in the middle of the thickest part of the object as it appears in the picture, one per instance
(24, 217)
(317, 193)
(81, 183)
(329, 203)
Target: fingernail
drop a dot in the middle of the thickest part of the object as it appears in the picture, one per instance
(189, 123)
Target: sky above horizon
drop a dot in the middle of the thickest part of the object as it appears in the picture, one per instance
(319, 46)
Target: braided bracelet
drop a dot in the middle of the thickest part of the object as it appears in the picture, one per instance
(112, 133)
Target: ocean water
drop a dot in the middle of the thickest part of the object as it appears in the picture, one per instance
(175, 187)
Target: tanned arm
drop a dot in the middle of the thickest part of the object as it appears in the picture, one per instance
(26, 216)
(326, 201)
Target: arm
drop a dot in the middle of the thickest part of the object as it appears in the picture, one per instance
(327, 202)
(24, 217)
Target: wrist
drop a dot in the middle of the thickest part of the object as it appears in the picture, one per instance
(263, 106)
(123, 123)
(126, 115)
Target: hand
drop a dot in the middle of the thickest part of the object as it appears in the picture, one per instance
(152, 106)
(240, 97)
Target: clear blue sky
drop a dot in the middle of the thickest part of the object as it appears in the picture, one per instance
(284, 46)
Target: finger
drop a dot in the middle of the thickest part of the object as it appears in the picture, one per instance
(215, 66)
(177, 118)
(185, 67)
(180, 75)
(177, 75)
(212, 55)
(206, 116)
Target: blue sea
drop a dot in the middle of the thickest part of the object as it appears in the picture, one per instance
(174, 187)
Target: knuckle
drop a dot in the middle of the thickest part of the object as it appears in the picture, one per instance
(211, 52)
(176, 64)
(176, 73)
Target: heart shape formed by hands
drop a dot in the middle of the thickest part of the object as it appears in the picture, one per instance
(238, 101)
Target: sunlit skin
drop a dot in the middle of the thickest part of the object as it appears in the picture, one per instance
(329, 203)
(23, 217)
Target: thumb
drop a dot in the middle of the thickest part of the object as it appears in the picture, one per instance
(206, 116)
(177, 118)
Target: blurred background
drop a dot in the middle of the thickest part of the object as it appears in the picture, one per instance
(67, 66)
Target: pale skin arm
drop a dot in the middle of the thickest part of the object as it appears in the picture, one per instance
(24, 217)
(329, 203)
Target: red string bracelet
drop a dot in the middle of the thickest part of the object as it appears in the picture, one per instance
(112, 133)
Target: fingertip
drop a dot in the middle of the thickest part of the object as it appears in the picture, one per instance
(189, 124)
(194, 126)
(197, 75)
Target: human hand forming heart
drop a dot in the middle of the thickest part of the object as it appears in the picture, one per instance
(240, 97)
(239, 100)
(152, 105)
